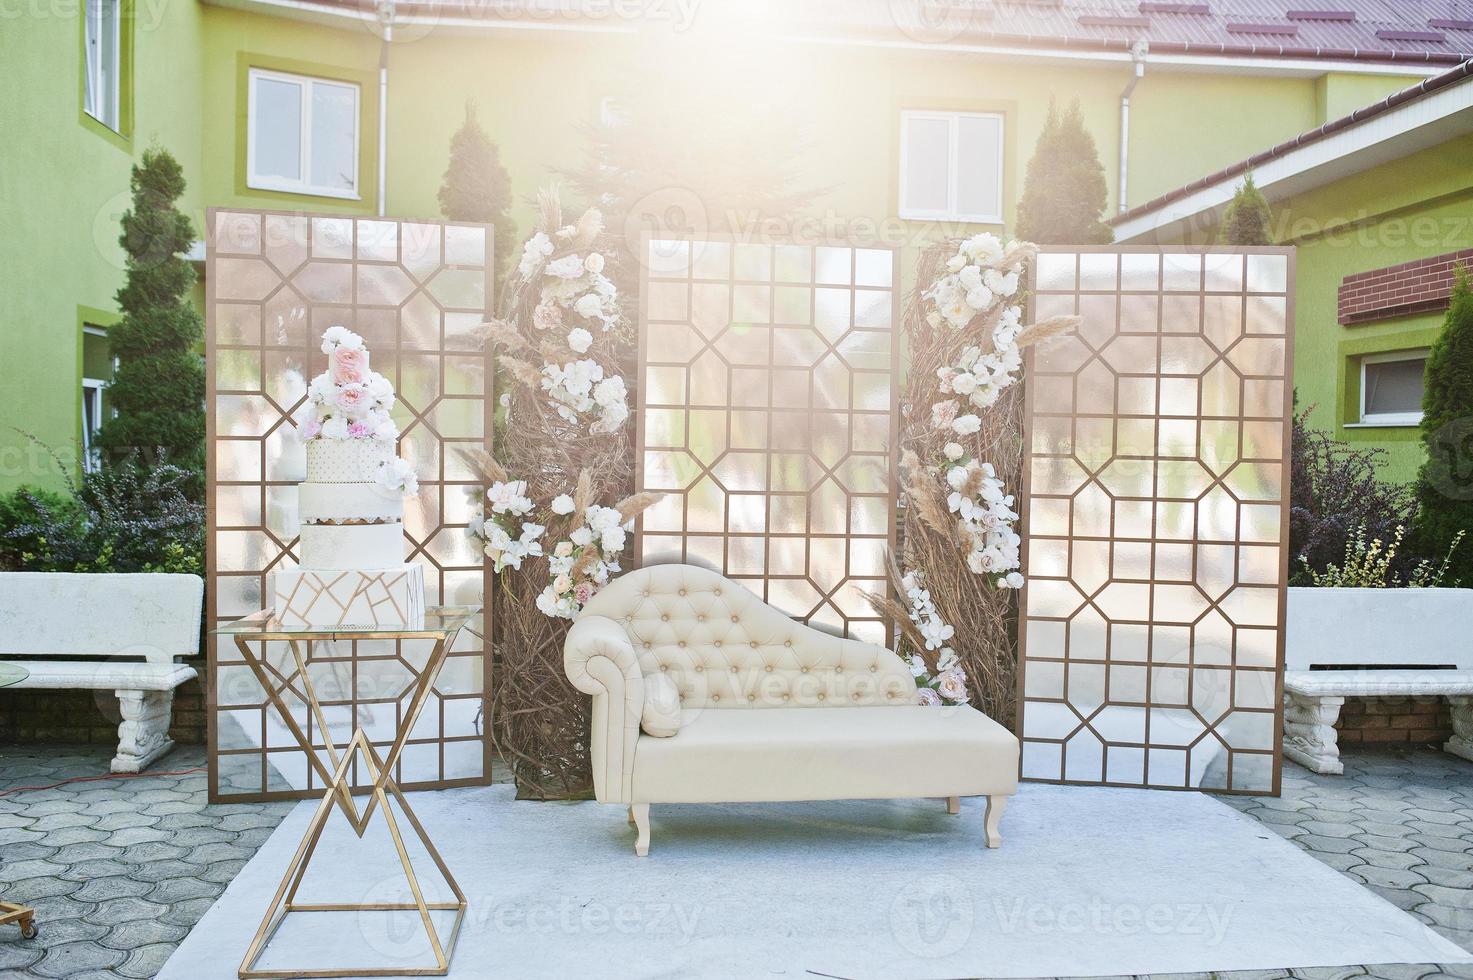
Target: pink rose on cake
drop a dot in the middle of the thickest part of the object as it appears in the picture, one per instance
(311, 429)
(352, 400)
(348, 366)
(359, 430)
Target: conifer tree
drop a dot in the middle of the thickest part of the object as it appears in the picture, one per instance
(1445, 486)
(1063, 199)
(158, 389)
(1247, 219)
(476, 187)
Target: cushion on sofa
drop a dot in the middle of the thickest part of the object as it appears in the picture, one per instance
(661, 715)
(874, 752)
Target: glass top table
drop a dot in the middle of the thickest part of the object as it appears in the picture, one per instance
(439, 623)
(12, 674)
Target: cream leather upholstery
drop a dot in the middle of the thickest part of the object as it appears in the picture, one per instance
(770, 709)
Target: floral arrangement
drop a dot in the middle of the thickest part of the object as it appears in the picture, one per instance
(935, 666)
(592, 536)
(348, 400)
(961, 418)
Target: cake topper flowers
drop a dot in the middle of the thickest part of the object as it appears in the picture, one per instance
(349, 401)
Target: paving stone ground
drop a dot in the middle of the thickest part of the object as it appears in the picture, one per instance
(121, 870)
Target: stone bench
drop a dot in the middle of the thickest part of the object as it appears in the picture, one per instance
(1356, 643)
(118, 632)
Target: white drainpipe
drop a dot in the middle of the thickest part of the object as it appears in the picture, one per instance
(386, 19)
(1138, 58)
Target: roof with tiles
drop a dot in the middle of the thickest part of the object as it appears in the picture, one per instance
(1428, 32)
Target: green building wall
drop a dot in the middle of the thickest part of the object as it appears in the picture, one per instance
(534, 95)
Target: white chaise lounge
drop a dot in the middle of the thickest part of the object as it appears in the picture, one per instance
(118, 632)
(703, 693)
(1356, 643)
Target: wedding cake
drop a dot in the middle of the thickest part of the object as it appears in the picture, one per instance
(351, 568)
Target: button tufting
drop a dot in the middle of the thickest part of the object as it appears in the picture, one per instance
(645, 593)
(733, 670)
(717, 643)
(820, 696)
(701, 617)
(787, 643)
(646, 644)
(891, 695)
(716, 592)
(665, 618)
(681, 643)
(753, 644)
(751, 698)
(805, 670)
(735, 620)
(664, 667)
(699, 668)
(838, 670)
(873, 668)
(715, 697)
(856, 697)
(682, 592)
(769, 668)
(785, 697)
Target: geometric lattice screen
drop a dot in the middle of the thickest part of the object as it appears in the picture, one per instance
(1156, 510)
(768, 418)
(415, 291)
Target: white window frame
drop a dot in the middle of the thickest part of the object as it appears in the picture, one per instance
(103, 103)
(303, 186)
(1386, 419)
(92, 389)
(949, 213)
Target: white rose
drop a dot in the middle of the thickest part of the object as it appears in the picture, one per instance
(335, 428)
(582, 537)
(589, 305)
(956, 263)
(970, 278)
(956, 477)
(562, 584)
(964, 383)
(562, 504)
(612, 539)
(564, 549)
(953, 450)
(965, 425)
(579, 340)
(567, 267)
(979, 298)
(594, 263)
(1013, 580)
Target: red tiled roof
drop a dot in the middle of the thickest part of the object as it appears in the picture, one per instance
(1422, 32)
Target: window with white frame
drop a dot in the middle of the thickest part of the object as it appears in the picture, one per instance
(1391, 388)
(951, 165)
(302, 134)
(103, 58)
(91, 422)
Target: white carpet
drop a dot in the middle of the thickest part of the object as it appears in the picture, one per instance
(1089, 881)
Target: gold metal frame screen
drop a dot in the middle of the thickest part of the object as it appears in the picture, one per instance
(1156, 516)
(415, 291)
(769, 376)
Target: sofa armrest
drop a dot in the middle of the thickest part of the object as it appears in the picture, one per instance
(599, 660)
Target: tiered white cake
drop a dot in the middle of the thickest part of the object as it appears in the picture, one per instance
(352, 571)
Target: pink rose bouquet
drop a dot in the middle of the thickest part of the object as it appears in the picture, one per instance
(348, 366)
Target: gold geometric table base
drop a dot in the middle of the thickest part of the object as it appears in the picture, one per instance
(284, 903)
(441, 625)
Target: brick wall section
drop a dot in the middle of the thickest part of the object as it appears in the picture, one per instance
(39, 717)
(1417, 721)
(1398, 290)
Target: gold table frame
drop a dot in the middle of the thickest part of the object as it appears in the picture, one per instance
(441, 624)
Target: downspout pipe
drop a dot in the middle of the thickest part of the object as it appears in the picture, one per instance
(386, 19)
(1138, 63)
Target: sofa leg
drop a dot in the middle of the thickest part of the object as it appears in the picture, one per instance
(995, 806)
(631, 815)
(953, 805)
(143, 735)
(640, 814)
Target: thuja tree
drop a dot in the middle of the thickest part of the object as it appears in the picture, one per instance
(1445, 486)
(1247, 219)
(1063, 199)
(158, 389)
(476, 187)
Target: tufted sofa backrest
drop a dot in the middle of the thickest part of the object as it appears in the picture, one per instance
(726, 648)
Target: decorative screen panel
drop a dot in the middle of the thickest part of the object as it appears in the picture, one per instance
(768, 418)
(415, 291)
(1156, 519)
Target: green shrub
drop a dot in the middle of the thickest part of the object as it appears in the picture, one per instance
(1247, 220)
(1445, 484)
(158, 389)
(476, 187)
(124, 517)
(1063, 199)
(1371, 565)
